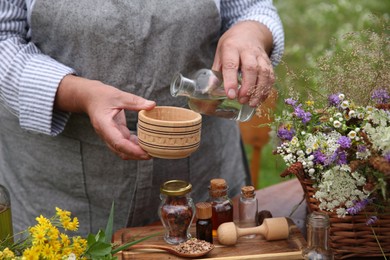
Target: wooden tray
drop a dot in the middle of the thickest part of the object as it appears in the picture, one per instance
(256, 248)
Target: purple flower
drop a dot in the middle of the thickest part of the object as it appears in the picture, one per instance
(344, 142)
(300, 113)
(371, 220)
(290, 101)
(285, 134)
(380, 96)
(359, 206)
(334, 100)
(387, 156)
(361, 148)
(342, 158)
(319, 157)
(339, 157)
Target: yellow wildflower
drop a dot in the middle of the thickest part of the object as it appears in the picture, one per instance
(42, 220)
(310, 103)
(31, 253)
(61, 212)
(38, 234)
(6, 254)
(79, 245)
(64, 239)
(74, 225)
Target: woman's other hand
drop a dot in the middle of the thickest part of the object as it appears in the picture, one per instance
(245, 47)
(105, 106)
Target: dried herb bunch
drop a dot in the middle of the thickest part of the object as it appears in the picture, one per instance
(356, 64)
(361, 66)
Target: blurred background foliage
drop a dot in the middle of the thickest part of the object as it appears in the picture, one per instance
(316, 30)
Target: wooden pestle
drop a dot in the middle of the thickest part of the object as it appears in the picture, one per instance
(271, 229)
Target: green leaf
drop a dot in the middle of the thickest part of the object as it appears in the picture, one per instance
(127, 245)
(101, 237)
(99, 249)
(91, 240)
(110, 224)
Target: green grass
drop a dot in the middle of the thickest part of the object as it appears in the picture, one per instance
(311, 29)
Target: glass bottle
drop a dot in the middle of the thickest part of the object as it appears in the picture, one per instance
(247, 208)
(176, 210)
(6, 230)
(204, 227)
(318, 226)
(222, 206)
(207, 95)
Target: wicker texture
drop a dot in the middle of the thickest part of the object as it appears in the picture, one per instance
(349, 236)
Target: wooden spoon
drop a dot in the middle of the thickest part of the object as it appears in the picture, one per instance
(172, 250)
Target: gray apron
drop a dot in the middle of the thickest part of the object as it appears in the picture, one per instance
(136, 46)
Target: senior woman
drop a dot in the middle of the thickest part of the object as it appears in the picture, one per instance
(74, 74)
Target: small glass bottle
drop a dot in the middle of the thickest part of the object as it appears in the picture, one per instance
(6, 230)
(318, 226)
(204, 227)
(207, 95)
(222, 206)
(247, 208)
(176, 210)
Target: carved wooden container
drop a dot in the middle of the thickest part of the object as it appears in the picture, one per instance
(169, 132)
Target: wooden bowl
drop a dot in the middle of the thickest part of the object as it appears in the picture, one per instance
(169, 132)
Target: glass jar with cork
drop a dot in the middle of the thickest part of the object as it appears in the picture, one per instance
(247, 208)
(222, 206)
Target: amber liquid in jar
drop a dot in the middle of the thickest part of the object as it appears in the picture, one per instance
(221, 213)
(222, 206)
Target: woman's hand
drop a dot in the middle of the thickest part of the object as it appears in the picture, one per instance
(105, 107)
(245, 47)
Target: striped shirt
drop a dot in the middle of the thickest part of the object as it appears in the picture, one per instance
(29, 79)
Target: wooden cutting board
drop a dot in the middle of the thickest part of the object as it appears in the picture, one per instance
(255, 248)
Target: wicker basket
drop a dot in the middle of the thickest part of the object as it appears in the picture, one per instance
(350, 236)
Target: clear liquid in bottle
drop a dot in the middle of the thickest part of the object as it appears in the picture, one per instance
(207, 96)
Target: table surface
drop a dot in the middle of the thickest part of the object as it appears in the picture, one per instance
(285, 199)
(254, 248)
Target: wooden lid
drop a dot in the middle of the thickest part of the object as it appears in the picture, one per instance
(203, 210)
(218, 184)
(248, 191)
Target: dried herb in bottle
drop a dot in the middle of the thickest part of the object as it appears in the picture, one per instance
(176, 210)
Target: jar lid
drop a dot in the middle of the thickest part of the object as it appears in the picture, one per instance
(218, 184)
(248, 191)
(203, 210)
(175, 187)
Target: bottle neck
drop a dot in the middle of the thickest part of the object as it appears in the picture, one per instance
(318, 231)
(182, 86)
(218, 193)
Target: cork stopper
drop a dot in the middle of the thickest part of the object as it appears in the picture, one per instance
(248, 191)
(218, 184)
(218, 187)
(203, 210)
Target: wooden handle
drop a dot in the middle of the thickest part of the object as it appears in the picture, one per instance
(259, 230)
(271, 229)
(161, 247)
